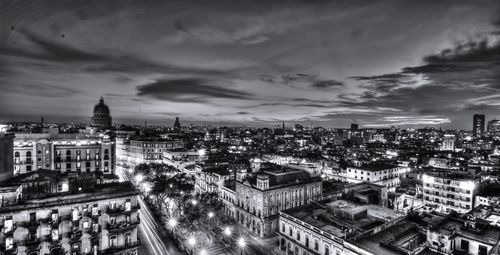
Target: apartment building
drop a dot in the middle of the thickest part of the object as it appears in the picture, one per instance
(449, 191)
(99, 221)
(78, 152)
(379, 173)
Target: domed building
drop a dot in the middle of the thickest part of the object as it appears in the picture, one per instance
(102, 117)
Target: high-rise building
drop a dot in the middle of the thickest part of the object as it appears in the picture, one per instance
(6, 156)
(478, 125)
(177, 125)
(102, 117)
(448, 143)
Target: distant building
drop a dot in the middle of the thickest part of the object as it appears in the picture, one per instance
(449, 191)
(102, 117)
(177, 125)
(448, 143)
(354, 126)
(6, 156)
(255, 200)
(478, 125)
(64, 153)
(493, 126)
(143, 149)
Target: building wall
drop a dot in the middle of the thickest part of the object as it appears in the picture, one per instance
(297, 237)
(72, 154)
(257, 210)
(449, 194)
(84, 227)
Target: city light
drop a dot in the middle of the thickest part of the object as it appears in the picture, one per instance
(172, 222)
(139, 178)
(203, 252)
(201, 152)
(211, 215)
(191, 241)
(227, 231)
(241, 242)
(194, 202)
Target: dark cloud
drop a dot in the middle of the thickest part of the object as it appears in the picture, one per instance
(188, 90)
(326, 84)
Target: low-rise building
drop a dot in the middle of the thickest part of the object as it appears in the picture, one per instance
(259, 197)
(378, 173)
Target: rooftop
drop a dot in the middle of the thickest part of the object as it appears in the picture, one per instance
(372, 167)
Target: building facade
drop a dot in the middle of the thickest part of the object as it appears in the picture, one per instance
(138, 150)
(104, 221)
(449, 191)
(382, 174)
(478, 125)
(64, 153)
(259, 198)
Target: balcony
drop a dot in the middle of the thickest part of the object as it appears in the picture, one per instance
(31, 244)
(121, 249)
(123, 226)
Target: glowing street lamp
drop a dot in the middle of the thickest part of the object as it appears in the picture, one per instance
(227, 231)
(191, 243)
(242, 244)
(194, 202)
(172, 222)
(203, 252)
(139, 178)
(210, 215)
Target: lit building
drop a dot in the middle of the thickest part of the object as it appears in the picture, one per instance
(64, 153)
(378, 173)
(258, 198)
(102, 117)
(493, 126)
(99, 221)
(137, 150)
(448, 143)
(478, 125)
(211, 180)
(449, 191)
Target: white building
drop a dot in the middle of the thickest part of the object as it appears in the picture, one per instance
(448, 143)
(63, 152)
(382, 174)
(449, 191)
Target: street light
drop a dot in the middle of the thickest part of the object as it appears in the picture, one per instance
(172, 222)
(242, 243)
(191, 242)
(210, 215)
(194, 202)
(203, 252)
(139, 178)
(227, 231)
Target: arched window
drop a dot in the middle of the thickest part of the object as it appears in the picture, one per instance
(68, 153)
(106, 152)
(28, 156)
(17, 154)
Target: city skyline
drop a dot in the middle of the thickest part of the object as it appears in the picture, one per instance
(390, 63)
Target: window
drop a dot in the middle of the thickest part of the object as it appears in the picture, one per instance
(482, 250)
(28, 168)
(327, 250)
(290, 231)
(283, 227)
(307, 241)
(316, 245)
(28, 157)
(298, 235)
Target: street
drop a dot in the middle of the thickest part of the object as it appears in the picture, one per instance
(153, 236)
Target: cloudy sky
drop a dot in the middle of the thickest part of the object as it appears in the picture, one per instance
(377, 63)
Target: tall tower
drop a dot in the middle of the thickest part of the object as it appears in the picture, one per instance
(177, 125)
(102, 117)
(6, 155)
(478, 125)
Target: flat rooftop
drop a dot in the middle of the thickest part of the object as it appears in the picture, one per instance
(373, 167)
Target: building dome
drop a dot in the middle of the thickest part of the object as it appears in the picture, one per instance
(102, 117)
